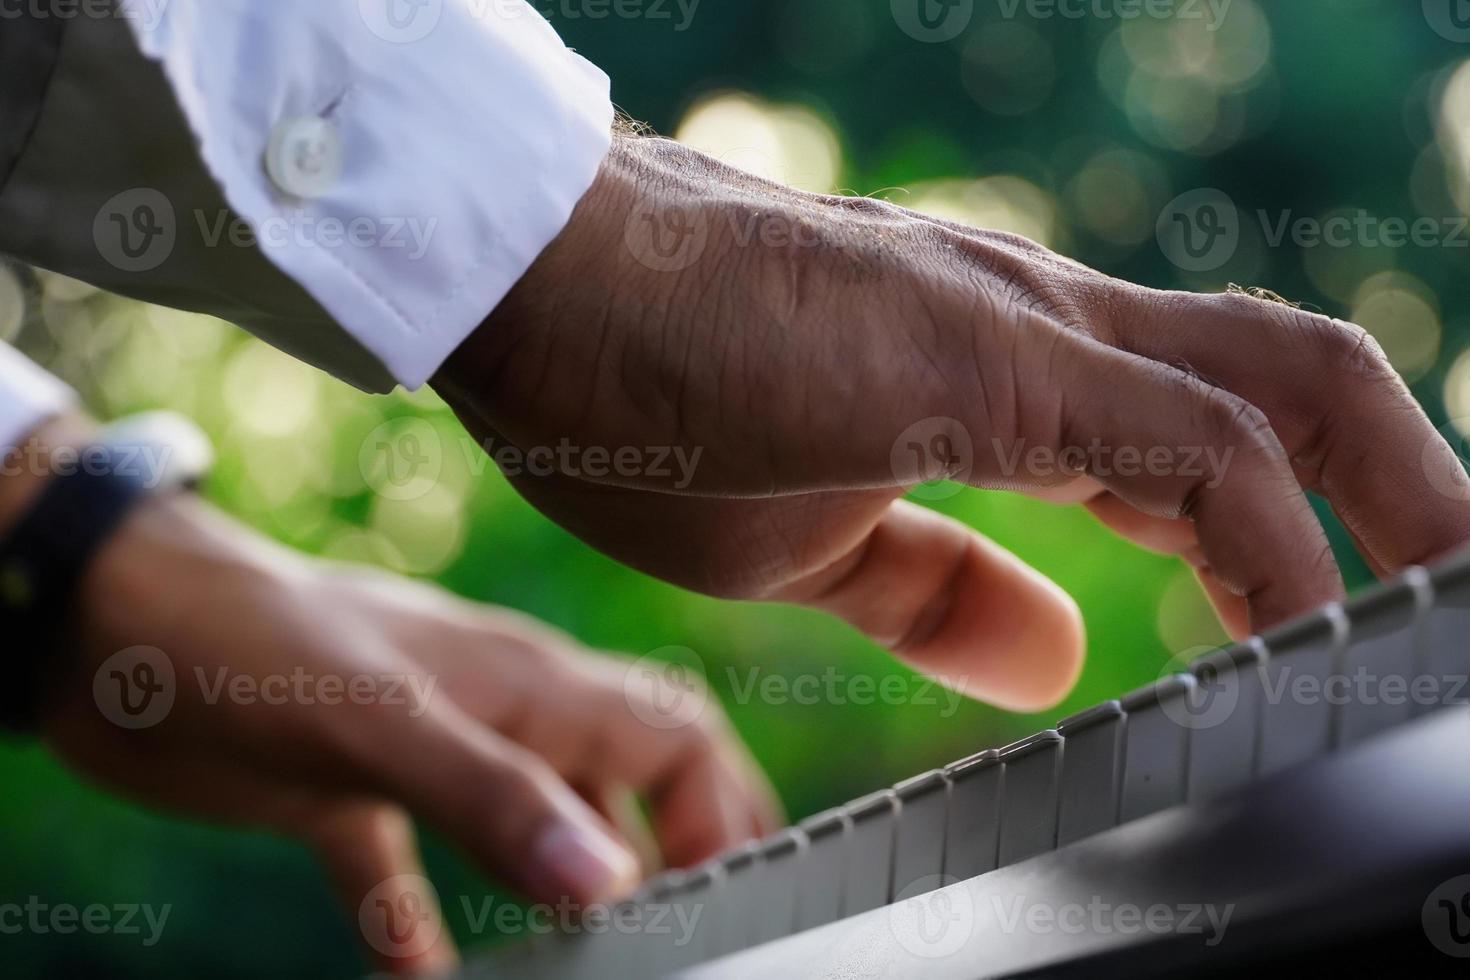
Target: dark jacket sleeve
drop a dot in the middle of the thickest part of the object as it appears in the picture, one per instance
(101, 180)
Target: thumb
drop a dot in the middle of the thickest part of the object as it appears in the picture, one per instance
(957, 606)
(502, 804)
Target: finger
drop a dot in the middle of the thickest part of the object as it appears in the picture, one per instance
(371, 853)
(699, 810)
(956, 606)
(618, 805)
(500, 802)
(1345, 417)
(604, 723)
(1077, 491)
(902, 566)
(1161, 535)
(767, 815)
(1257, 532)
(1174, 537)
(1232, 610)
(667, 738)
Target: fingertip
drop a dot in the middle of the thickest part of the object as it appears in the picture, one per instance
(1054, 648)
(1015, 639)
(573, 860)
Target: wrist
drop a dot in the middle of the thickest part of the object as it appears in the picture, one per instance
(167, 559)
(31, 465)
(587, 264)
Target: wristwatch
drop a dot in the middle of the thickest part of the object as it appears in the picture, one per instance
(46, 552)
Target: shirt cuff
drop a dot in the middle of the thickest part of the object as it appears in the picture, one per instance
(421, 155)
(28, 396)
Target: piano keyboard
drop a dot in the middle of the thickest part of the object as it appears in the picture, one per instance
(1303, 695)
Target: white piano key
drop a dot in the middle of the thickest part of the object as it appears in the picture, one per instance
(1156, 752)
(1298, 718)
(535, 959)
(1447, 633)
(868, 880)
(737, 901)
(819, 900)
(696, 908)
(1092, 767)
(685, 936)
(516, 960)
(605, 945)
(1223, 713)
(1382, 664)
(918, 850)
(1028, 818)
(657, 936)
(781, 861)
(972, 832)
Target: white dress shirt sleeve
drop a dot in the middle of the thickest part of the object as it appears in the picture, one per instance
(404, 161)
(28, 396)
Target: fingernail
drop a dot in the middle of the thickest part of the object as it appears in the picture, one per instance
(585, 863)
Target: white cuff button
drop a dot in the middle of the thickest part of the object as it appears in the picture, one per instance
(304, 159)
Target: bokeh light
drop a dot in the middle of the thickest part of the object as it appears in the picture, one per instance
(786, 143)
(1399, 311)
(1074, 133)
(12, 304)
(1009, 68)
(1001, 203)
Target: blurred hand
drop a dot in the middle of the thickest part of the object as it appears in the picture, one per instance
(522, 748)
(798, 342)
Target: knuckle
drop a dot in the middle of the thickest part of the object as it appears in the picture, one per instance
(868, 207)
(1240, 422)
(1356, 353)
(522, 779)
(712, 724)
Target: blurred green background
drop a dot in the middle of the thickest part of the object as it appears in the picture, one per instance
(1075, 131)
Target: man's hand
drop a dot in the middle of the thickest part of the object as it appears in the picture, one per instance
(500, 732)
(797, 342)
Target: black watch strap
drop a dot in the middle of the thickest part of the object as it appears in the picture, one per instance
(42, 561)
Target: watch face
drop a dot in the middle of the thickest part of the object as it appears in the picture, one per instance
(161, 449)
